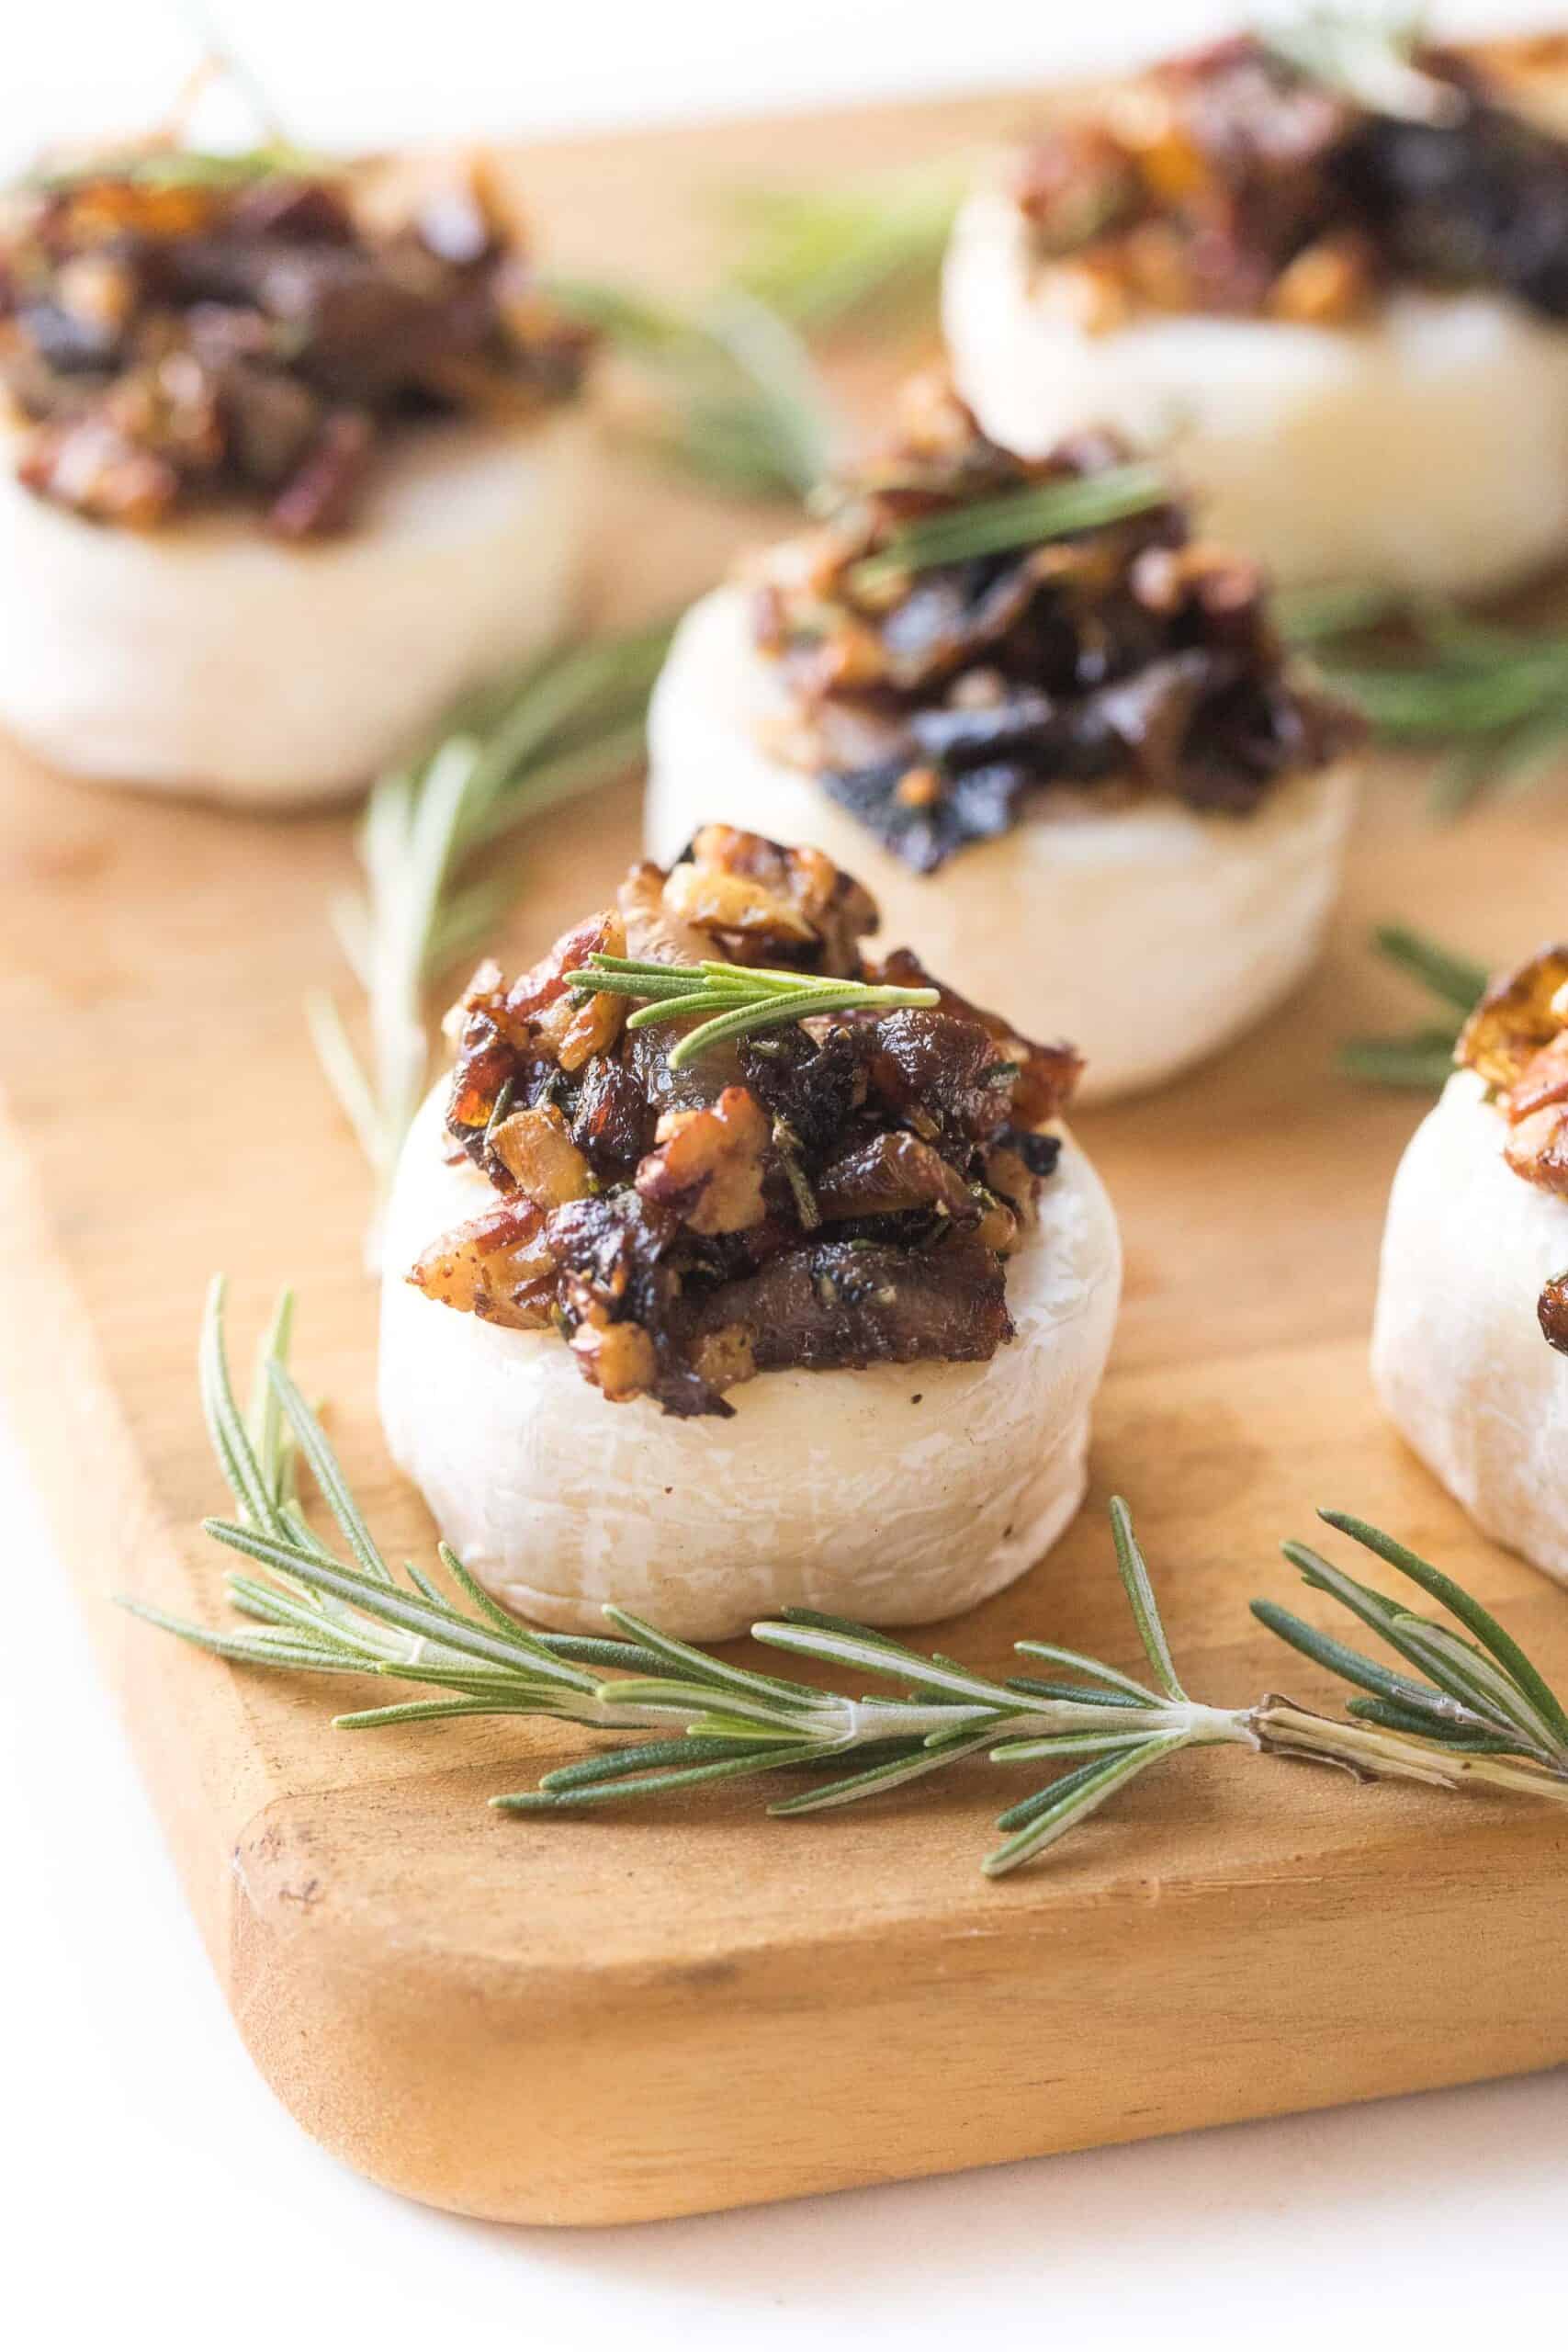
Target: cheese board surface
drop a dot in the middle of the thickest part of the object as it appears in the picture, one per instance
(669, 2011)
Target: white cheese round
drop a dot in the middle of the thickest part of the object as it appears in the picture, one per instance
(894, 1494)
(1150, 935)
(1458, 1356)
(1426, 449)
(206, 657)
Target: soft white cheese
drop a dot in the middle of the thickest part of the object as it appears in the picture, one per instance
(1458, 1356)
(1150, 935)
(208, 658)
(893, 1495)
(1426, 449)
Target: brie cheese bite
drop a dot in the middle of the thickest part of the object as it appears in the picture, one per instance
(1472, 1322)
(816, 1320)
(1078, 769)
(1349, 324)
(285, 462)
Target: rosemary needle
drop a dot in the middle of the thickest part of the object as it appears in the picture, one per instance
(1421, 1059)
(431, 887)
(733, 1000)
(1467, 1706)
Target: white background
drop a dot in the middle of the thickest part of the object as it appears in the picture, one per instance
(158, 2191)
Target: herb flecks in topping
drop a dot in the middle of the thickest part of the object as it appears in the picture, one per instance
(182, 331)
(964, 630)
(709, 1166)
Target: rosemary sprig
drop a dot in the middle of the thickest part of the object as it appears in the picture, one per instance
(738, 403)
(1368, 55)
(1422, 672)
(823, 256)
(1421, 1059)
(1476, 1708)
(1019, 518)
(733, 999)
(433, 883)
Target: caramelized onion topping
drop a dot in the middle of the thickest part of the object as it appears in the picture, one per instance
(838, 1192)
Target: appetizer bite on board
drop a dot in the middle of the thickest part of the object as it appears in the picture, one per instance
(1472, 1323)
(1059, 738)
(1348, 311)
(813, 1313)
(288, 458)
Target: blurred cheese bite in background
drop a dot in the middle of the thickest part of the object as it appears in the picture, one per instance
(1328, 268)
(288, 457)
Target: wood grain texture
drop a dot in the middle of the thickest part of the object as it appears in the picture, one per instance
(617, 2018)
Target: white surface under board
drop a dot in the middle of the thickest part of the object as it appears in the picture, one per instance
(157, 2191)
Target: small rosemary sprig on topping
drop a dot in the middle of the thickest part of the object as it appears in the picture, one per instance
(1367, 55)
(733, 999)
(1475, 1707)
(1422, 1059)
(434, 882)
(821, 257)
(1421, 671)
(1019, 519)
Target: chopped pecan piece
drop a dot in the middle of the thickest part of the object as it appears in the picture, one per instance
(537, 1151)
(708, 1167)
(497, 1266)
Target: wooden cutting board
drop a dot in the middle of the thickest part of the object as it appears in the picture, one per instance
(668, 2011)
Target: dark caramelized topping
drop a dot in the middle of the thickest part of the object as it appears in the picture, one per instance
(937, 704)
(171, 342)
(836, 1193)
(1231, 182)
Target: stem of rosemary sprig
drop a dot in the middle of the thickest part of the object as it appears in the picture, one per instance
(1421, 1059)
(1475, 1709)
(433, 883)
(735, 998)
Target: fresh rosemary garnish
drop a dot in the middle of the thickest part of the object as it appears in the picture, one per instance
(1368, 55)
(428, 844)
(1421, 671)
(737, 403)
(1020, 518)
(822, 256)
(1422, 1059)
(735, 999)
(1474, 1708)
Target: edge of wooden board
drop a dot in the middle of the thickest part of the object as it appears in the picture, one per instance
(489, 2083)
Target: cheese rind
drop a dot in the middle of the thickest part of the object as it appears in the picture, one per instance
(893, 1495)
(208, 659)
(1458, 1356)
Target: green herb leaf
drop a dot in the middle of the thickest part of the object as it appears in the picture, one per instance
(1020, 519)
(567, 722)
(729, 1000)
